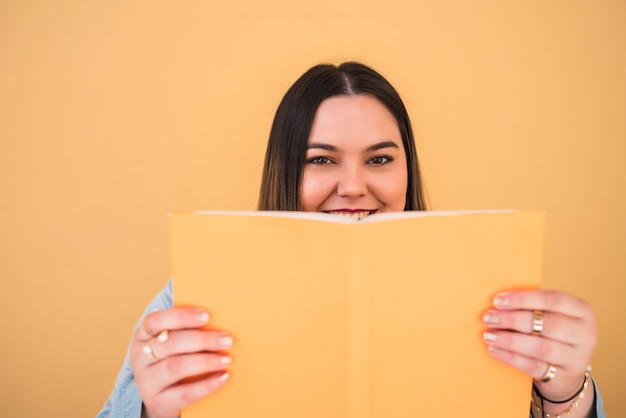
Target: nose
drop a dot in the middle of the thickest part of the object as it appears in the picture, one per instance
(351, 182)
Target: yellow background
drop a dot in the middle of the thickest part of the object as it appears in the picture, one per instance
(113, 114)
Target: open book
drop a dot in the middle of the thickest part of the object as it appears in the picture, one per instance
(338, 318)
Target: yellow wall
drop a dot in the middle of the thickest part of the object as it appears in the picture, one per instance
(114, 113)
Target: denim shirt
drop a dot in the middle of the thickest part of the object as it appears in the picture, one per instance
(125, 401)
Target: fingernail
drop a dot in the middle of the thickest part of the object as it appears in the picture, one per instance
(501, 300)
(493, 350)
(202, 317)
(224, 376)
(225, 360)
(491, 318)
(489, 336)
(225, 341)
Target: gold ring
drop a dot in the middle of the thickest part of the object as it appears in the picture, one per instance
(537, 322)
(163, 335)
(151, 352)
(550, 373)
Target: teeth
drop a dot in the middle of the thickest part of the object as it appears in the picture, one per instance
(353, 215)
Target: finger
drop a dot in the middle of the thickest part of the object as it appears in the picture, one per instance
(177, 397)
(171, 319)
(531, 366)
(541, 349)
(560, 384)
(175, 369)
(191, 341)
(557, 327)
(543, 300)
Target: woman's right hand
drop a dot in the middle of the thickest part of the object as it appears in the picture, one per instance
(176, 362)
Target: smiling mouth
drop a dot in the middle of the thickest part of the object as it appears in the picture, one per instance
(354, 214)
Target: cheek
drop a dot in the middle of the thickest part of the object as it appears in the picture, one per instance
(401, 195)
(394, 195)
(314, 191)
(391, 190)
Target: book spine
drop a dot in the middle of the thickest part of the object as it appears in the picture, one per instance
(360, 328)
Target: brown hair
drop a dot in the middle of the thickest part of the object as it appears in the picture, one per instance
(287, 144)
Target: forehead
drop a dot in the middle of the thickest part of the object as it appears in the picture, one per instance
(353, 116)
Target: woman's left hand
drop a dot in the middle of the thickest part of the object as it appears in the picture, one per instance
(566, 339)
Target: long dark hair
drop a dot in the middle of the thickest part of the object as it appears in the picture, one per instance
(287, 145)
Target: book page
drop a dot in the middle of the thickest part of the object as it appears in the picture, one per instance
(275, 285)
(428, 356)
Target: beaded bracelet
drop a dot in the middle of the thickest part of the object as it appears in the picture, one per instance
(580, 393)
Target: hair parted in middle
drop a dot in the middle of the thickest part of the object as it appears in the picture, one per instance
(288, 140)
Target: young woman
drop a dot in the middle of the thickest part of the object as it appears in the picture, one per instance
(342, 143)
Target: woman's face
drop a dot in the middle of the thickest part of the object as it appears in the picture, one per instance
(355, 162)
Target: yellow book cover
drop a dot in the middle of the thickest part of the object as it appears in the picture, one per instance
(338, 318)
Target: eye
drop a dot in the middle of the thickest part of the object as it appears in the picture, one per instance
(380, 160)
(319, 160)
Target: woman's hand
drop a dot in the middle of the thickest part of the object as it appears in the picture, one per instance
(564, 338)
(175, 362)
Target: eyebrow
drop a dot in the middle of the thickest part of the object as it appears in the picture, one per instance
(374, 147)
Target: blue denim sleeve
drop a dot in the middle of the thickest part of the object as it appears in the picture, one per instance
(599, 404)
(125, 401)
